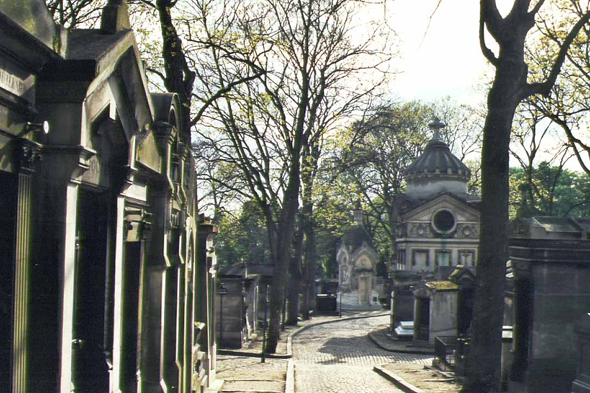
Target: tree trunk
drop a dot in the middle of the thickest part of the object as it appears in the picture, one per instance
(310, 257)
(311, 155)
(277, 297)
(281, 238)
(295, 275)
(483, 366)
(179, 78)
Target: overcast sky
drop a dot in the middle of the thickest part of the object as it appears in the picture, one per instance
(443, 58)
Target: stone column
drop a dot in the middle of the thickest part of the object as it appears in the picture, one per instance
(28, 155)
(188, 317)
(118, 311)
(156, 324)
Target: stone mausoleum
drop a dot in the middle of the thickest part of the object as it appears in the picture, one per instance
(357, 261)
(437, 224)
(551, 271)
(107, 273)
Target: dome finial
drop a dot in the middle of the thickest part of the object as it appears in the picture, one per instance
(437, 125)
(358, 213)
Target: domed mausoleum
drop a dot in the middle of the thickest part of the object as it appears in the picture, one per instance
(438, 220)
(437, 231)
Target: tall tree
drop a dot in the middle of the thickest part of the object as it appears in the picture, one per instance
(307, 61)
(242, 236)
(509, 87)
(374, 158)
(558, 191)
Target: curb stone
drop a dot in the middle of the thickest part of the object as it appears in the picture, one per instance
(290, 378)
(302, 328)
(417, 351)
(397, 381)
(253, 354)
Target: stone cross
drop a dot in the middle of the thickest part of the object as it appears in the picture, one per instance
(437, 125)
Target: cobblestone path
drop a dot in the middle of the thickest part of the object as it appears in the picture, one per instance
(339, 357)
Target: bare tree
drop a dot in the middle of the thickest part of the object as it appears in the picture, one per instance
(568, 105)
(76, 13)
(308, 64)
(533, 135)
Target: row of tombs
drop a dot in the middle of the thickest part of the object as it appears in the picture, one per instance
(433, 281)
(546, 337)
(546, 333)
(107, 273)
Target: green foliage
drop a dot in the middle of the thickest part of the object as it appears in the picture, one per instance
(243, 237)
(369, 157)
(553, 191)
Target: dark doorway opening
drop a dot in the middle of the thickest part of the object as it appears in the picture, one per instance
(91, 374)
(423, 319)
(466, 304)
(130, 347)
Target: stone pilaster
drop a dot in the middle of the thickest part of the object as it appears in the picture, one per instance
(205, 274)
(56, 197)
(29, 154)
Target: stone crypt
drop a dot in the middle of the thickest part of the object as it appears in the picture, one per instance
(437, 223)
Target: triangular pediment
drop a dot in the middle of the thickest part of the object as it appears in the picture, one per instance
(462, 210)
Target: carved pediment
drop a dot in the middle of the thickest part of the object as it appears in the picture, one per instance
(462, 211)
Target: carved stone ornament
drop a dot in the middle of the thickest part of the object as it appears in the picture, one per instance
(467, 231)
(420, 230)
(28, 156)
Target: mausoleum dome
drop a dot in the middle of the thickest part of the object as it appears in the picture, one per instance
(437, 169)
(437, 160)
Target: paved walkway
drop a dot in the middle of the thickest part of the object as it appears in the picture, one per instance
(339, 357)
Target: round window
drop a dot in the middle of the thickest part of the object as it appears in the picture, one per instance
(444, 221)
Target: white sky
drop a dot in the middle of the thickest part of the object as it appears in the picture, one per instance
(442, 59)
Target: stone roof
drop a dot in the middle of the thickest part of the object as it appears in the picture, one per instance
(442, 285)
(557, 224)
(91, 44)
(405, 203)
(551, 225)
(437, 159)
(356, 236)
(240, 268)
